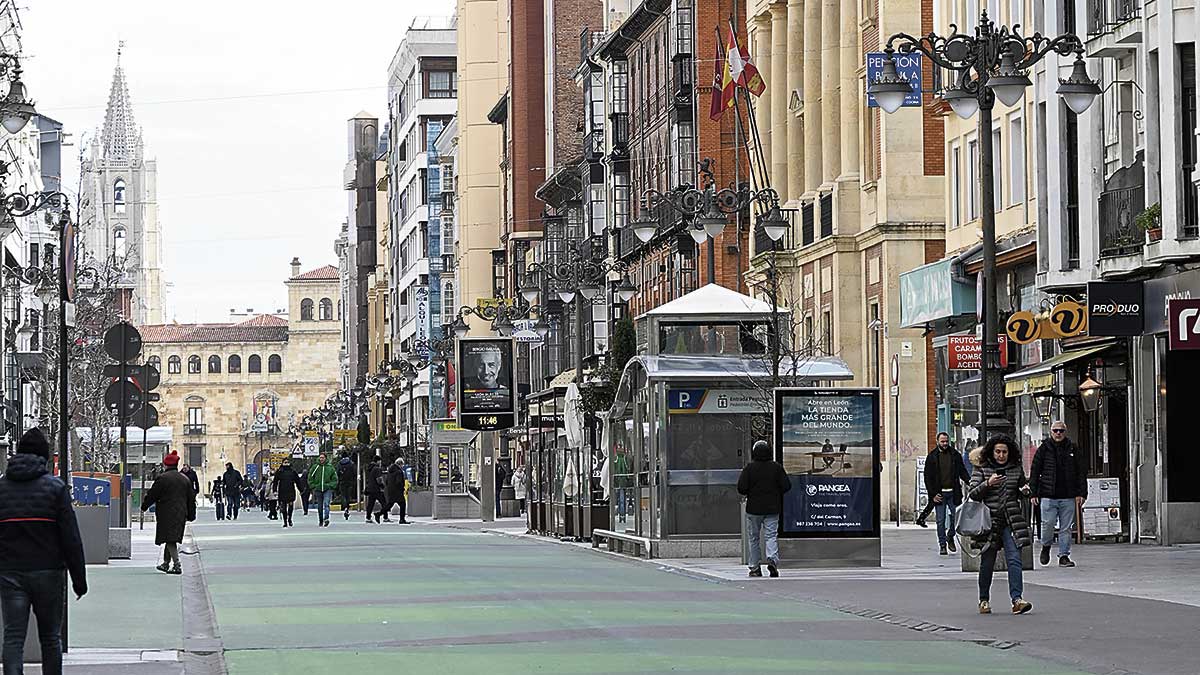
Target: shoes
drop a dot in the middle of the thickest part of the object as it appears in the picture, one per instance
(950, 544)
(165, 567)
(1065, 561)
(942, 550)
(1021, 606)
(756, 571)
(1045, 557)
(175, 570)
(772, 569)
(347, 515)
(369, 519)
(921, 522)
(985, 607)
(404, 522)
(385, 519)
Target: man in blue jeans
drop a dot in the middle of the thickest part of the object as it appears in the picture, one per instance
(39, 545)
(323, 479)
(1058, 484)
(763, 483)
(944, 475)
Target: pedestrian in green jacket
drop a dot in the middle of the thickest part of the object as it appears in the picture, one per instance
(323, 480)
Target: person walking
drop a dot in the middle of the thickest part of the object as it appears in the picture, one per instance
(763, 482)
(1058, 480)
(190, 473)
(944, 476)
(998, 481)
(232, 482)
(175, 507)
(303, 488)
(519, 490)
(323, 478)
(393, 489)
(346, 473)
(501, 474)
(39, 546)
(373, 489)
(283, 483)
(217, 495)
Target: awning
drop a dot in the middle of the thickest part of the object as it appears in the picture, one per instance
(1040, 377)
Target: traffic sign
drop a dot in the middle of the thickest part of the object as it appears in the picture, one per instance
(123, 342)
(147, 376)
(123, 396)
(147, 417)
(895, 369)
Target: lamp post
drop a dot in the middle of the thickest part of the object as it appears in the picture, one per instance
(991, 64)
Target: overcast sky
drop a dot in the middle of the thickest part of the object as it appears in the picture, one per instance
(244, 105)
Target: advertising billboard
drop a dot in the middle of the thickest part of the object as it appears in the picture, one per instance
(828, 441)
(486, 389)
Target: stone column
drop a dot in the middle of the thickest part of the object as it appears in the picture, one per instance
(762, 59)
(811, 93)
(851, 92)
(795, 82)
(831, 75)
(779, 154)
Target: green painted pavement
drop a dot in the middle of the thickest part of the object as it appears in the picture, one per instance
(126, 608)
(365, 599)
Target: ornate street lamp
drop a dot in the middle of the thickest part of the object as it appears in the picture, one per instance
(989, 65)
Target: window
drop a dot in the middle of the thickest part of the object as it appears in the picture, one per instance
(195, 415)
(306, 309)
(174, 365)
(275, 364)
(326, 309)
(448, 308)
(235, 364)
(972, 180)
(33, 320)
(1016, 160)
(827, 332)
(195, 455)
(443, 84)
(255, 364)
(193, 364)
(119, 240)
(955, 186)
(214, 364)
(119, 196)
(1071, 141)
(156, 362)
(34, 256)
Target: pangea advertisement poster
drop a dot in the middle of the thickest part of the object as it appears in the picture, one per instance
(827, 440)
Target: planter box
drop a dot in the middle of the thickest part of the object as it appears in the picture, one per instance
(420, 503)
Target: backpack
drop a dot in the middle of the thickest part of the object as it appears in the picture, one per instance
(344, 471)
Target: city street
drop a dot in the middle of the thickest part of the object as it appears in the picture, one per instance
(440, 598)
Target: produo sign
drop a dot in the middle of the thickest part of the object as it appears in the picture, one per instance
(1116, 308)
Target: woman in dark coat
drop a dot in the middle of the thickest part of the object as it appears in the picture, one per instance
(284, 482)
(999, 482)
(394, 490)
(374, 487)
(175, 505)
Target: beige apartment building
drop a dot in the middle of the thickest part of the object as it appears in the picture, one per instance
(860, 217)
(220, 380)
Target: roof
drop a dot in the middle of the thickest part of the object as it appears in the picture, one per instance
(326, 273)
(160, 434)
(263, 328)
(713, 299)
(691, 366)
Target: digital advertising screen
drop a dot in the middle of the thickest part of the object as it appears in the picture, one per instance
(486, 390)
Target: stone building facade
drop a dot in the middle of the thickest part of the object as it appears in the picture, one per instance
(218, 377)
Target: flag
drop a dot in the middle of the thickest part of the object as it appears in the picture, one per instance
(741, 68)
(720, 77)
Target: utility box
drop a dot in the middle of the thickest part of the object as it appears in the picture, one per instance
(93, 529)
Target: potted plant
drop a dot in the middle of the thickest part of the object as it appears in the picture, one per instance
(1150, 221)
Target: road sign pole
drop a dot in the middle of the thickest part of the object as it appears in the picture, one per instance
(896, 428)
(124, 422)
(142, 491)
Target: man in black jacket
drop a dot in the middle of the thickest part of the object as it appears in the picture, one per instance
(763, 483)
(190, 473)
(285, 481)
(39, 538)
(944, 475)
(232, 482)
(1058, 484)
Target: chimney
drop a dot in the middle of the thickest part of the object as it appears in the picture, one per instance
(295, 267)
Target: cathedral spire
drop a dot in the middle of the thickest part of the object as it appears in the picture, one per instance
(121, 138)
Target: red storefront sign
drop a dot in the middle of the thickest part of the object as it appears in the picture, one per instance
(1183, 316)
(965, 352)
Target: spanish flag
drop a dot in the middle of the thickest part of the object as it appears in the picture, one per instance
(722, 88)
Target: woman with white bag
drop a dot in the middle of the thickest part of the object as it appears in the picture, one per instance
(999, 482)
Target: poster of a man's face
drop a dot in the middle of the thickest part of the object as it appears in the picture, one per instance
(486, 376)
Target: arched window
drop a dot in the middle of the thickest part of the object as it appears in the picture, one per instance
(193, 364)
(174, 365)
(306, 309)
(156, 362)
(326, 309)
(214, 364)
(235, 364)
(274, 364)
(119, 195)
(255, 364)
(119, 241)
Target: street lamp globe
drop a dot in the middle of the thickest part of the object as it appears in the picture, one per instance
(645, 228)
(774, 224)
(541, 328)
(889, 89)
(566, 296)
(589, 290)
(713, 222)
(15, 109)
(460, 328)
(1078, 90)
(626, 290)
(962, 102)
(698, 233)
(1009, 83)
(530, 293)
(1089, 393)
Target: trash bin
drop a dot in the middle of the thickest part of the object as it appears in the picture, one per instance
(93, 529)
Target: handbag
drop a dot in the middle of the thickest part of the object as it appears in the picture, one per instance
(974, 519)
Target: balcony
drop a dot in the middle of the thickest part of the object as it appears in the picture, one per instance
(593, 145)
(682, 87)
(194, 429)
(1118, 234)
(1113, 27)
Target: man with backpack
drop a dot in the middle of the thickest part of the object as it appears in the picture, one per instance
(346, 478)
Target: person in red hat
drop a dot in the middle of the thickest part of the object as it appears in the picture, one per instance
(175, 505)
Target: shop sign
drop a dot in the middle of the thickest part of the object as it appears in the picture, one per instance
(965, 352)
(930, 292)
(1034, 384)
(1067, 319)
(421, 336)
(1159, 292)
(345, 437)
(1184, 316)
(728, 401)
(444, 426)
(1115, 308)
(828, 441)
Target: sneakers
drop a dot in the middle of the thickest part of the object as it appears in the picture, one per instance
(756, 571)
(950, 544)
(942, 550)
(985, 607)
(175, 570)
(165, 567)
(346, 514)
(921, 522)
(1065, 561)
(772, 569)
(1021, 606)
(1045, 558)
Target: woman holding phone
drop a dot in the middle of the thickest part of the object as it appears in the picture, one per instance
(999, 482)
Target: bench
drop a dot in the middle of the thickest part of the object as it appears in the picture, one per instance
(618, 540)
